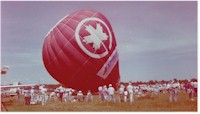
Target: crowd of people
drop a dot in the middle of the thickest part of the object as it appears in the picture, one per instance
(32, 96)
(124, 93)
(108, 94)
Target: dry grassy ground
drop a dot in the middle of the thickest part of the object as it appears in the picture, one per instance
(157, 103)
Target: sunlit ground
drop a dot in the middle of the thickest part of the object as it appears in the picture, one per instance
(155, 103)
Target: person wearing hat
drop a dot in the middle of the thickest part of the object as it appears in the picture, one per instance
(111, 93)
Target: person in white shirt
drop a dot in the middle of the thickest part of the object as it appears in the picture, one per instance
(71, 98)
(125, 95)
(52, 96)
(130, 92)
(43, 101)
(176, 91)
(121, 93)
(61, 91)
(18, 94)
(65, 96)
(105, 93)
(101, 95)
(89, 96)
(171, 94)
(111, 93)
(80, 96)
(32, 91)
(195, 85)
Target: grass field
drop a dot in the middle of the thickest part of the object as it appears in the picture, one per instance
(146, 104)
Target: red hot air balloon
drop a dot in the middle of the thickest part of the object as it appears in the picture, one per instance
(80, 51)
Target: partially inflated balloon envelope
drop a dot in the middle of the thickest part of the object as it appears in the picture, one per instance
(80, 51)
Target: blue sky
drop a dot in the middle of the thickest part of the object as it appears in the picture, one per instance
(155, 40)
